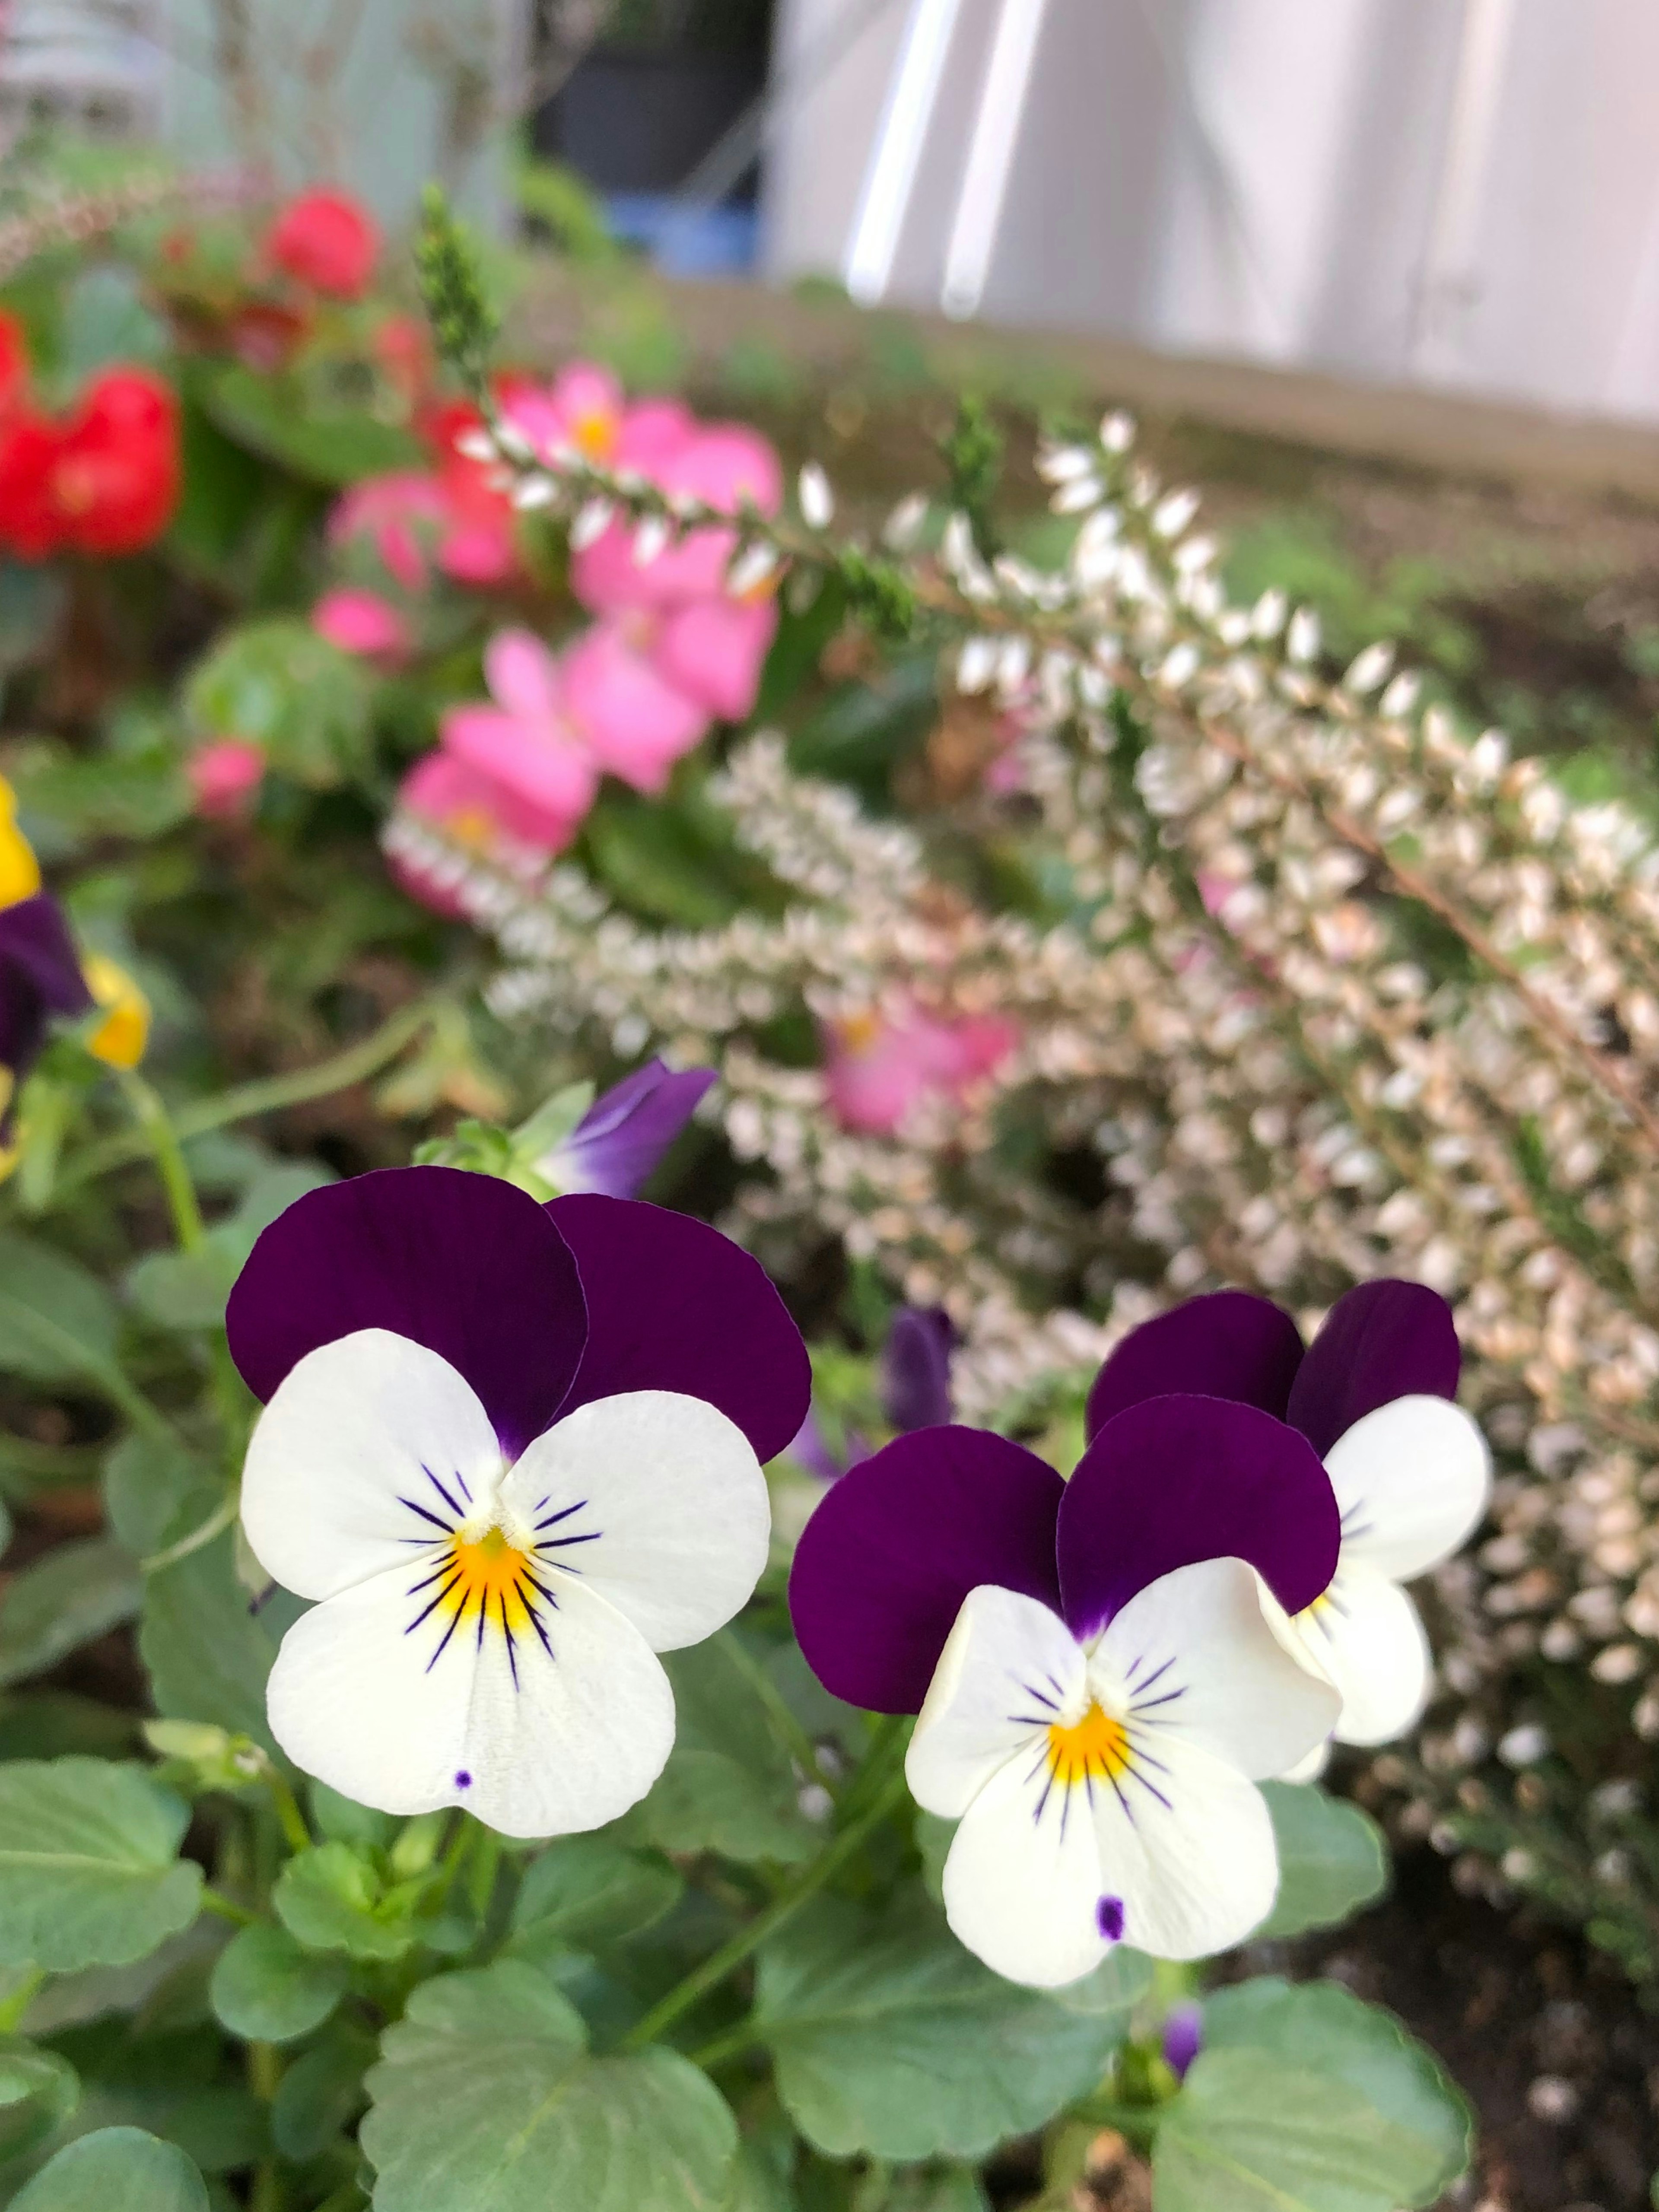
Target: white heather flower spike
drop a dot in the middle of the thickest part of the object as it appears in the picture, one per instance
(817, 502)
(976, 663)
(751, 568)
(1302, 639)
(591, 524)
(1173, 512)
(1079, 494)
(1061, 464)
(1412, 1481)
(650, 540)
(1118, 432)
(1368, 670)
(1267, 615)
(905, 525)
(1107, 1792)
(529, 493)
(476, 445)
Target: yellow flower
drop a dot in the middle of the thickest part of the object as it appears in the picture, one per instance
(121, 1036)
(19, 872)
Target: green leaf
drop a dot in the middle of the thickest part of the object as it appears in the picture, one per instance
(79, 1591)
(189, 1290)
(39, 2090)
(271, 419)
(341, 1819)
(154, 1494)
(1305, 2100)
(208, 1655)
(89, 1868)
(487, 2101)
(322, 2093)
(330, 1899)
(652, 858)
(728, 1785)
(889, 2039)
(268, 1990)
(103, 320)
(923, 2188)
(57, 1322)
(117, 2170)
(586, 1892)
(277, 683)
(1332, 1859)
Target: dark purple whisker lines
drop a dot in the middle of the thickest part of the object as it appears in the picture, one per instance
(1152, 1704)
(512, 1648)
(1032, 1691)
(563, 1514)
(454, 1507)
(448, 1527)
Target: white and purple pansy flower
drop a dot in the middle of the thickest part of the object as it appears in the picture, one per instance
(625, 1133)
(1373, 1394)
(1098, 1688)
(512, 1451)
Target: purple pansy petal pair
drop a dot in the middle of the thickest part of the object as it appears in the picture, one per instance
(40, 976)
(1102, 1668)
(513, 1451)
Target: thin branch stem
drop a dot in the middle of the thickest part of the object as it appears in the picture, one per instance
(714, 1969)
(785, 1727)
(215, 1900)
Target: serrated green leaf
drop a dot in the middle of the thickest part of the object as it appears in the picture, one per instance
(341, 1819)
(889, 2039)
(922, 2189)
(330, 1899)
(1332, 1859)
(728, 1786)
(120, 2167)
(277, 683)
(89, 1868)
(267, 1987)
(57, 1322)
(1305, 2100)
(39, 2090)
(80, 1590)
(583, 1892)
(260, 413)
(154, 1494)
(487, 2101)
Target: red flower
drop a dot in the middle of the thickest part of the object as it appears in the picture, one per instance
(106, 481)
(327, 240)
(13, 362)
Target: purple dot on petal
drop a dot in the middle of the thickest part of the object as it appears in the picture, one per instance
(1108, 1918)
(463, 1781)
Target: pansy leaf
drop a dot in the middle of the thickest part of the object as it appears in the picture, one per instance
(923, 2188)
(89, 1868)
(1309, 2100)
(1332, 1859)
(487, 2101)
(156, 1492)
(268, 1989)
(328, 1899)
(585, 1892)
(38, 2089)
(115, 2167)
(891, 2039)
(728, 1786)
(322, 2093)
(78, 1591)
(57, 1322)
(208, 1651)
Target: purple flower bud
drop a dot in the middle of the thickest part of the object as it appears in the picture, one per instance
(915, 1368)
(623, 1135)
(1183, 2037)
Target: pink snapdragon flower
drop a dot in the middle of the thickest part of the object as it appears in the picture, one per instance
(876, 1069)
(363, 622)
(225, 776)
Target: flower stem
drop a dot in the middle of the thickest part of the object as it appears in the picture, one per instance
(177, 1180)
(269, 1094)
(215, 1900)
(785, 1727)
(18, 2003)
(290, 1819)
(788, 1901)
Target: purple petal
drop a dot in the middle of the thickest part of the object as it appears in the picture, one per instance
(623, 1135)
(40, 976)
(673, 1306)
(1227, 1345)
(884, 1563)
(1383, 1341)
(1176, 1479)
(811, 1447)
(466, 1265)
(915, 1368)
(1183, 2037)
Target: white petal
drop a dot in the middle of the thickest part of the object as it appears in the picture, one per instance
(1192, 1662)
(536, 1743)
(1022, 1881)
(1412, 1480)
(1310, 1768)
(371, 1447)
(1009, 1670)
(1364, 1633)
(657, 1502)
(1187, 1845)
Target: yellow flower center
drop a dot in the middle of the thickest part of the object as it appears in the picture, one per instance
(596, 435)
(491, 1579)
(1094, 1749)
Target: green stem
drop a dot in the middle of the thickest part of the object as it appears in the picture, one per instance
(786, 1726)
(162, 1139)
(223, 1516)
(12, 2011)
(731, 2044)
(788, 1901)
(269, 1094)
(290, 1819)
(215, 1900)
